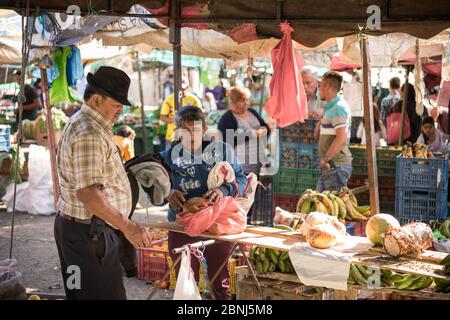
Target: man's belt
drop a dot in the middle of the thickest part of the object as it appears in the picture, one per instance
(73, 219)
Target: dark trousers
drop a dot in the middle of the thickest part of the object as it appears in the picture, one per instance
(98, 261)
(214, 254)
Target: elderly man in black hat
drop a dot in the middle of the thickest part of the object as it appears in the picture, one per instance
(95, 196)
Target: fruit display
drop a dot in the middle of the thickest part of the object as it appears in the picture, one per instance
(342, 204)
(417, 150)
(442, 286)
(412, 238)
(378, 225)
(28, 129)
(270, 260)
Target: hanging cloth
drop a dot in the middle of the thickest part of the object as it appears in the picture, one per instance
(287, 103)
(60, 89)
(74, 66)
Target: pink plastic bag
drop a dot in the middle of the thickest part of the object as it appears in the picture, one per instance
(287, 103)
(224, 217)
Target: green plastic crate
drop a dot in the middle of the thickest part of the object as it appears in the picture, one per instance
(294, 181)
(385, 161)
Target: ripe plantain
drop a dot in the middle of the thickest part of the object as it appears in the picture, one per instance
(342, 208)
(320, 207)
(327, 203)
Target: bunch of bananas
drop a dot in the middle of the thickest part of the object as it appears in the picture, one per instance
(417, 150)
(445, 228)
(362, 276)
(270, 260)
(342, 204)
(411, 281)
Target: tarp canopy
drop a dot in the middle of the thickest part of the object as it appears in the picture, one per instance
(313, 23)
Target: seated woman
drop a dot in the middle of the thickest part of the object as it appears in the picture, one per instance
(191, 158)
(431, 136)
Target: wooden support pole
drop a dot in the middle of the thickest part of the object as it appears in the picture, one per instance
(175, 40)
(141, 96)
(369, 127)
(50, 135)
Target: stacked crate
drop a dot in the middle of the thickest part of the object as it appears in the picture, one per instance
(386, 166)
(421, 189)
(298, 164)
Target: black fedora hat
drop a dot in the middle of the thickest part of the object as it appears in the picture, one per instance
(111, 82)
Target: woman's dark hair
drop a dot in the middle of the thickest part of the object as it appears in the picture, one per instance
(189, 114)
(124, 131)
(428, 120)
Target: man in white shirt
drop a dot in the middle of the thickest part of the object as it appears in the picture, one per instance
(311, 85)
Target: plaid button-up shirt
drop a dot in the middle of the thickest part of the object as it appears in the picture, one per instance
(87, 155)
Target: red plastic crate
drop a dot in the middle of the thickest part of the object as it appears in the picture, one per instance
(151, 266)
(286, 202)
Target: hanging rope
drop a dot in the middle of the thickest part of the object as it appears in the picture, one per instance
(27, 27)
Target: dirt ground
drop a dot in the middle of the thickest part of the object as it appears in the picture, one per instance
(35, 250)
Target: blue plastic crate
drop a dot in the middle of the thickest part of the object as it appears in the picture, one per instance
(5, 129)
(350, 229)
(299, 156)
(422, 173)
(420, 204)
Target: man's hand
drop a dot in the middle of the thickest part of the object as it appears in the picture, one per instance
(324, 165)
(213, 195)
(176, 199)
(138, 236)
(315, 115)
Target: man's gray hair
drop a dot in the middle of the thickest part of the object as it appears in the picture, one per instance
(310, 70)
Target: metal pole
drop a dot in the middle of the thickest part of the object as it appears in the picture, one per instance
(194, 245)
(50, 134)
(369, 127)
(175, 40)
(404, 104)
(141, 96)
(262, 90)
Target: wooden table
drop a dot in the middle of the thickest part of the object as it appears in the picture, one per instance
(427, 264)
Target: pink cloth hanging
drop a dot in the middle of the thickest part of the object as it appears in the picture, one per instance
(287, 103)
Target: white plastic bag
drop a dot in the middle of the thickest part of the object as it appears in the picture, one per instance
(186, 288)
(245, 202)
(39, 167)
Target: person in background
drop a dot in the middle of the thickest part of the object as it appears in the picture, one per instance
(38, 86)
(209, 104)
(432, 136)
(311, 85)
(32, 102)
(334, 153)
(414, 119)
(388, 102)
(191, 159)
(244, 129)
(168, 109)
(380, 130)
(124, 139)
(168, 86)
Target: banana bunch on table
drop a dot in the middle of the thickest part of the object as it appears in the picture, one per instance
(364, 276)
(270, 260)
(342, 204)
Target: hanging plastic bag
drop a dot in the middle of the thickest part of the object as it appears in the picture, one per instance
(287, 103)
(394, 124)
(60, 89)
(186, 288)
(245, 201)
(223, 217)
